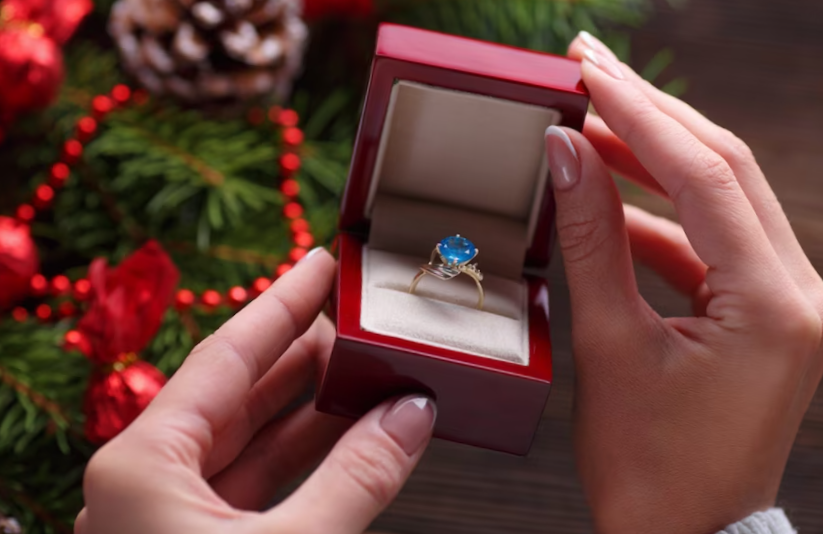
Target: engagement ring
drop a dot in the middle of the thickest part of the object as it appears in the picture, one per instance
(449, 259)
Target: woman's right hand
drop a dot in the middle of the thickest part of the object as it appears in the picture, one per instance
(683, 424)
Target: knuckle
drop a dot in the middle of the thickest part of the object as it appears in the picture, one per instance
(800, 326)
(581, 238)
(218, 345)
(377, 471)
(101, 469)
(644, 119)
(711, 170)
(733, 149)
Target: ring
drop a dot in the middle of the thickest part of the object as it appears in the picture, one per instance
(454, 254)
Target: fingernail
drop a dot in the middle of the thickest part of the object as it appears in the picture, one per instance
(605, 64)
(311, 253)
(563, 159)
(596, 44)
(410, 422)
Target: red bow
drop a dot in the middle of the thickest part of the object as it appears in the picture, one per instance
(126, 308)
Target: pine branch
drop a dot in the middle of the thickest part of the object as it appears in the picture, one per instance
(35, 507)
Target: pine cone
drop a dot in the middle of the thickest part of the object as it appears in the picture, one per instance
(9, 525)
(207, 51)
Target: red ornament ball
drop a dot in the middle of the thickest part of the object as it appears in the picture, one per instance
(115, 399)
(18, 261)
(31, 70)
(56, 18)
(317, 9)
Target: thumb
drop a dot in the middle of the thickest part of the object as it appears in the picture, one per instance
(591, 231)
(363, 473)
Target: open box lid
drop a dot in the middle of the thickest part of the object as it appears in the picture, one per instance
(416, 60)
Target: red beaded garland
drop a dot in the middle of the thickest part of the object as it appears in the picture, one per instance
(290, 187)
(60, 172)
(43, 196)
(101, 105)
(184, 299)
(72, 150)
(39, 285)
(292, 136)
(121, 93)
(296, 254)
(58, 175)
(211, 299)
(293, 210)
(86, 127)
(303, 239)
(299, 225)
(72, 340)
(43, 312)
(60, 285)
(259, 286)
(25, 213)
(66, 309)
(287, 118)
(283, 269)
(82, 289)
(237, 296)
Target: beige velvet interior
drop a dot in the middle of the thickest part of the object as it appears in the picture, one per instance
(441, 313)
(454, 163)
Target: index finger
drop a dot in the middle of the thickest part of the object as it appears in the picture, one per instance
(213, 383)
(713, 209)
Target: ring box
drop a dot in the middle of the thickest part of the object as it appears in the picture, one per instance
(451, 141)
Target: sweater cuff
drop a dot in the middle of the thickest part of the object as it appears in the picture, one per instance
(772, 521)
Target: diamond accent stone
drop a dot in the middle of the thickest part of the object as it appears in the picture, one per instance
(457, 250)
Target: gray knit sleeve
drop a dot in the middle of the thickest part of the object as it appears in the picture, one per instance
(772, 521)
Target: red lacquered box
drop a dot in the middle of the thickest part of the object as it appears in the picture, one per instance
(451, 142)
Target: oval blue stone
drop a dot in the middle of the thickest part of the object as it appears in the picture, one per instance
(456, 249)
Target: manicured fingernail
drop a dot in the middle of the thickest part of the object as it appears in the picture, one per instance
(605, 63)
(563, 159)
(311, 253)
(410, 422)
(596, 44)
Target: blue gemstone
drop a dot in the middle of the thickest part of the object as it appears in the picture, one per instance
(456, 249)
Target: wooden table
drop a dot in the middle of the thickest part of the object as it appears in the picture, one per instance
(755, 67)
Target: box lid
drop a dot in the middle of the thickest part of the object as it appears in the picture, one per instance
(435, 60)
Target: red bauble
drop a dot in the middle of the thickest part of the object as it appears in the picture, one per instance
(315, 9)
(115, 399)
(18, 261)
(57, 18)
(31, 70)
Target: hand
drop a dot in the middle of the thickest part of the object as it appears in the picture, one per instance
(682, 425)
(206, 454)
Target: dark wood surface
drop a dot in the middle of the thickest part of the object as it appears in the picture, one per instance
(755, 67)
